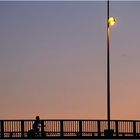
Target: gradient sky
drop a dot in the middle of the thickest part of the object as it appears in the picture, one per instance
(53, 60)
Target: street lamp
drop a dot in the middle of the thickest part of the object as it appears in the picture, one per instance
(110, 22)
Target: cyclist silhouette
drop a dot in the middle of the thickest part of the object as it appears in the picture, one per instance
(36, 125)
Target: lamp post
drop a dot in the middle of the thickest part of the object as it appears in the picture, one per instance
(110, 22)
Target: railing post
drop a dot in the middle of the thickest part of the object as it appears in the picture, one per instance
(134, 128)
(116, 127)
(61, 128)
(80, 128)
(22, 128)
(42, 128)
(2, 128)
(99, 128)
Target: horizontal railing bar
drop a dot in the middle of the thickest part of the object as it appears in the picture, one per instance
(69, 120)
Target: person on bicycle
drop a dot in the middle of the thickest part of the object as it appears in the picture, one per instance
(36, 125)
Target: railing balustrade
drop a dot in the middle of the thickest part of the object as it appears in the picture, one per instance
(70, 128)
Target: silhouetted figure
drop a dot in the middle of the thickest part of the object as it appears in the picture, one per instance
(35, 131)
(36, 125)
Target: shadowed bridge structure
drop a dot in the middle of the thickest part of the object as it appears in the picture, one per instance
(71, 129)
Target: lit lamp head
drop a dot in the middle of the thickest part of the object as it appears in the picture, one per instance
(111, 21)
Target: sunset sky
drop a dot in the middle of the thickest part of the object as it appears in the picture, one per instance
(53, 60)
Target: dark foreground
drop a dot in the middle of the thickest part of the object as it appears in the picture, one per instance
(70, 129)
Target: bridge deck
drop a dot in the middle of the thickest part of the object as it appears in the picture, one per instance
(70, 129)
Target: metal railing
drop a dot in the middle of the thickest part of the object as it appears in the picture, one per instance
(70, 128)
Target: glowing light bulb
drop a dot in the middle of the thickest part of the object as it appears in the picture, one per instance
(111, 21)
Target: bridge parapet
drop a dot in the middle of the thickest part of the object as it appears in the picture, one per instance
(70, 128)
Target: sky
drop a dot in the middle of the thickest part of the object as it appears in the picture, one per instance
(53, 60)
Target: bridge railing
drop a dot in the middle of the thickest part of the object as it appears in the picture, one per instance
(67, 128)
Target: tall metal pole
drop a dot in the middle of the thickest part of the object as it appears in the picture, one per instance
(108, 68)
